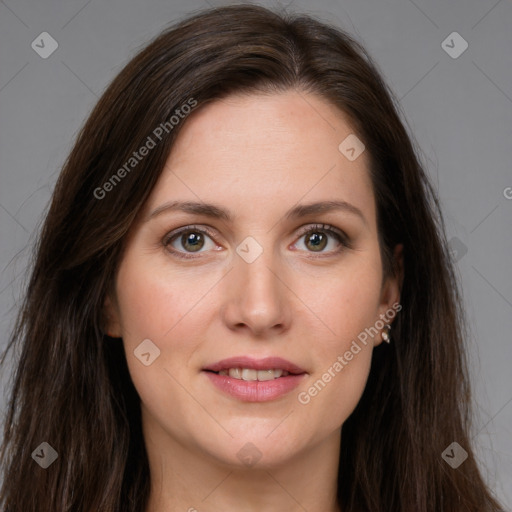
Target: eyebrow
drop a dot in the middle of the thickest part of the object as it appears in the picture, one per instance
(218, 212)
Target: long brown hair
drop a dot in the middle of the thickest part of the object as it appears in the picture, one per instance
(71, 387)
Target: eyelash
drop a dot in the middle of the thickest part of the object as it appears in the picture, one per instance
(324, 228)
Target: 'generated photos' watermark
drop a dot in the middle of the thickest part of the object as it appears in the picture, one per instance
(304, 397)
(150, 143)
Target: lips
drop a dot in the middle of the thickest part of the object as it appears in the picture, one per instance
(255, 380)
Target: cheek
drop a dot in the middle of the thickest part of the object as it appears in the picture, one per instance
(348, 307)
(344, 303)
(156, 303)
(341, 366)
(163, 308)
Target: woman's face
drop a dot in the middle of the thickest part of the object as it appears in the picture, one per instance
(247, 283)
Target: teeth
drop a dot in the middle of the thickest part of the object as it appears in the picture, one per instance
(250, 374)
(266, 375)
(235, 373)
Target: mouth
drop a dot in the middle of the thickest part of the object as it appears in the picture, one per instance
(255, 380)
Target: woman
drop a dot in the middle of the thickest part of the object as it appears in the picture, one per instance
(242, 223)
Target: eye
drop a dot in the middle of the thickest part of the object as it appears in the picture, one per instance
(317, 238)
(191, 239)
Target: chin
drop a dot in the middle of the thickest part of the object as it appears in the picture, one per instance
(258, 451)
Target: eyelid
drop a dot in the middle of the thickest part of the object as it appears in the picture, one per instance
(324, 227)
(190, 227)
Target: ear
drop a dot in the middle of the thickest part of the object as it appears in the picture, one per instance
(111, 323)
(391, 289)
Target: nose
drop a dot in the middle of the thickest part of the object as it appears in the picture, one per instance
(257, 298)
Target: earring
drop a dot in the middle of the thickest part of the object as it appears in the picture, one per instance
(386, 335)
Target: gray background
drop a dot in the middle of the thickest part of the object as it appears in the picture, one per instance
(459, 110)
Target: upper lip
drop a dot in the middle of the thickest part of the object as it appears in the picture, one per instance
(266, 363)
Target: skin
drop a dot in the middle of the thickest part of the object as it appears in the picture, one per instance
(257, 156)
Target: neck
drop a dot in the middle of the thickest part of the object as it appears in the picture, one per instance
(190, 480)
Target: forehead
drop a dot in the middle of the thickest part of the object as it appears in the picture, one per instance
(265, 151)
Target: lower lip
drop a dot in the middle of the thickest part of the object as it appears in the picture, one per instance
(255, 390)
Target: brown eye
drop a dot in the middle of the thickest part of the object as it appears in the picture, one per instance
(318, 237)
(184, 242)
(316, 241)
(192, 241)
